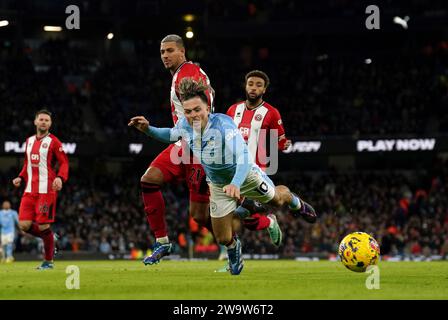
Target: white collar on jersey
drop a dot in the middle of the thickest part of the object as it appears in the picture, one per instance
(259, 105)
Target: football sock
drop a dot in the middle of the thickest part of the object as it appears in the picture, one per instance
(8, 250)
(48, 238)
(154, 209)
(256, 222)
(295, 203)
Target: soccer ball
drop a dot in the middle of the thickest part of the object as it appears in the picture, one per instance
(358, 250)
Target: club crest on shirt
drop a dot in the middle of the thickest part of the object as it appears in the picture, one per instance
(45, 145)
(258, 117)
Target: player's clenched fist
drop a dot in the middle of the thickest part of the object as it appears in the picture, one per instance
(17, 181)
(140, 123)
(232, 191)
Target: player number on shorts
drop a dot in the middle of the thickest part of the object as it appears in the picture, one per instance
(195, 173)
(263, 188)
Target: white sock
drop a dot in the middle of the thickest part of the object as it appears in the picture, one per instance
(163, 240)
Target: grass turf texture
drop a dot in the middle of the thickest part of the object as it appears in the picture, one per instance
(268, 280)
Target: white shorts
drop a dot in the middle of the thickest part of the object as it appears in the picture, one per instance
(257, 186)
(7, 238)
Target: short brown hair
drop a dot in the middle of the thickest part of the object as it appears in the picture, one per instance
(259, 74)
(174, 38)
(42, 111)
(189, 88)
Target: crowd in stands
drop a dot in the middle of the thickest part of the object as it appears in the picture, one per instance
(323, 97)
(407, 212)
(44, 78)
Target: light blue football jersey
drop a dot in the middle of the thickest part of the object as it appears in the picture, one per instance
(220, 147)
(8, 220)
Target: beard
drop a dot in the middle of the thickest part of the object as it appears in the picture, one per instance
(253, 98)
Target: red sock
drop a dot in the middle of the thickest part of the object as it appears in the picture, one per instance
(154, 208)
(257, 222)
(48, 238)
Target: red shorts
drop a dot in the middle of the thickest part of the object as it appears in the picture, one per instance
(174, 169)
(38, 207)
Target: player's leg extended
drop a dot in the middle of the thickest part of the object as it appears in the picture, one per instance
(45, 216)
(260, 189)
(250, 212)
(224, 234)
(297, 206)
(151, 183)
(162, 170)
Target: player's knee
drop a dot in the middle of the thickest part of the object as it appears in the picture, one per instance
(25, 225)
(43, 227)
(152, 175)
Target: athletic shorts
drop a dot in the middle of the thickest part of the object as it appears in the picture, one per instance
(38, 207)
(176, 164)
(7, 238)
(257, 186)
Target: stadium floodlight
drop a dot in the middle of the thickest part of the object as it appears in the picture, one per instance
(402, 22)
(368, 61)
(110, 36)
(4, 23)
(189, 34)
(189, 17)
(52, 28)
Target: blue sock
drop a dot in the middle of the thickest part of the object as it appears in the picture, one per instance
(295, 203)
(9, 250)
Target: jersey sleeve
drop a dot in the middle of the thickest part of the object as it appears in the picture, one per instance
(275, 122)
(231, 111)
(62, 158)
(169, 135)
(23, 173)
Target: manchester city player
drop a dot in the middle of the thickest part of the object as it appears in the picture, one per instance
(217, 143)
(9, 221)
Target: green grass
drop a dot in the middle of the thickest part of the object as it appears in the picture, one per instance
(283, 279)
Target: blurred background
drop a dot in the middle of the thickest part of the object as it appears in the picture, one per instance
(345, 94)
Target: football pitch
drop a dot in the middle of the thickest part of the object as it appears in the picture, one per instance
(196, 280)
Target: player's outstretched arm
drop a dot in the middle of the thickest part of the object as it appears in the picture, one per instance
(165, 135)
(140, 123)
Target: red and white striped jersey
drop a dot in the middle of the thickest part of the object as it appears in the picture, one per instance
(40, 155)
(252, 121)
(186, 70)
